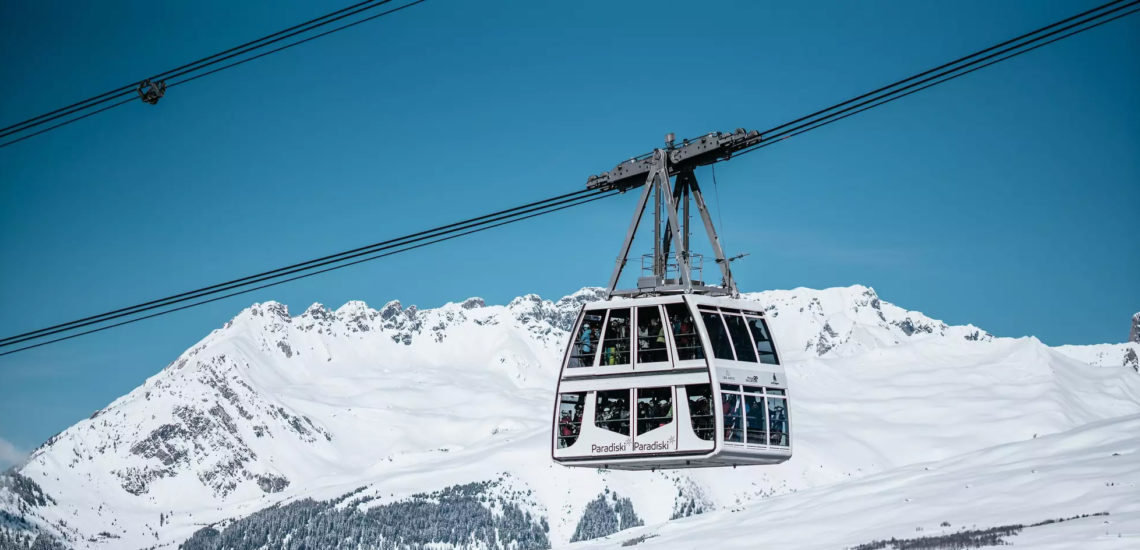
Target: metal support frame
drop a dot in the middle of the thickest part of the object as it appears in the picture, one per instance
(674, 203)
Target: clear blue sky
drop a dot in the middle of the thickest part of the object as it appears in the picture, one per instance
(1008, 198)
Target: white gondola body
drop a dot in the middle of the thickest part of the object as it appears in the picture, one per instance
(667, 382)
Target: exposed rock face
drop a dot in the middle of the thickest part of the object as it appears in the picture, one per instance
(1134, 336)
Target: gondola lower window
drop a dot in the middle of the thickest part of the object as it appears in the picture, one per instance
(654, 408)
(701, 411)
(755, 415)
(570, 407)
(778, 421)
(612, 412)
(754, 412)
(733, 418)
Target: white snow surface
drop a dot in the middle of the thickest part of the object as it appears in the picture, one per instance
(900, 422)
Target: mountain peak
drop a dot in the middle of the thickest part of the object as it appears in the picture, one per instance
(317, 311)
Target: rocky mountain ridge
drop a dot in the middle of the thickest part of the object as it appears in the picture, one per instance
(400, 401)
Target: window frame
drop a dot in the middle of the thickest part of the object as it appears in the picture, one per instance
(628, 339)
(747, 334)
(713, 310)
(636, 350)
(761, 392)
(711, 396)
(749, 316)
(637, 411)
(628, 410)
(604, 314)
(581, 419)
(674, 334)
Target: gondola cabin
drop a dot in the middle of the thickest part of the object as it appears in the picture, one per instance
(674, 381)
(675, 373)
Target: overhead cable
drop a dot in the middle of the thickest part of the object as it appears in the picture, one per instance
(85, 107)
(943, 73)
(591, 198)
(294, 268)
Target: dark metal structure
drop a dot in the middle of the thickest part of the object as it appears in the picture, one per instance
(653, 173)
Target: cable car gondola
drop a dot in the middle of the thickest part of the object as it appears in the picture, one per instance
(675, 373)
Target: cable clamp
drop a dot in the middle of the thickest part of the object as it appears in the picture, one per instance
(151, 92)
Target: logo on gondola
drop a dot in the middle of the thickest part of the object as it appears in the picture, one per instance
(611, 448)
(666, 445)
(752, 379)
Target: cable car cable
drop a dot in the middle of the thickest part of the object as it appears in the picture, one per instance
(204, 59)
(955, 62)
(290, 45)
(193, 67)
(887, 98)
(403, 241)
(308, 264)
(818, 122)
(592, 198)
(1084, 17)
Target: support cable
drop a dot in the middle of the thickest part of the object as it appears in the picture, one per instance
(592, 198)
(939, 78)
(779, 133)
(295, 268)
(249, 47)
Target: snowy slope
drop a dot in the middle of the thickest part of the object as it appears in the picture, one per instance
(272, 408)
(1085, 471)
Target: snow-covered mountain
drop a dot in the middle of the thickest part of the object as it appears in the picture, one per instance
(403, 426)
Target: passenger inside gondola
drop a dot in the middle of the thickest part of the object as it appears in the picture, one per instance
(586, 344)
(654, 408)
(684, 332)
(777, 422)
(718, 335)
(733, 419)
(615, 343)
(612, 411)
(763, 340)
(754, 414)
(650, 336)
(701, 412)
(570, 418)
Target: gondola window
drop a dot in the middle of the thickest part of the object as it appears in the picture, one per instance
(612, 412)
(718, 335)
(615, 343)
(778, 421)
(740, 339)
(654, 408)
(651, 346)
(755, 419)
(570, 407)
(733, 418)
(684, 332)
(701, 411)
(763, 340)
(585, 346)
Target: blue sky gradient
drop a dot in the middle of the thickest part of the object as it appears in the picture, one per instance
(1008, 198)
